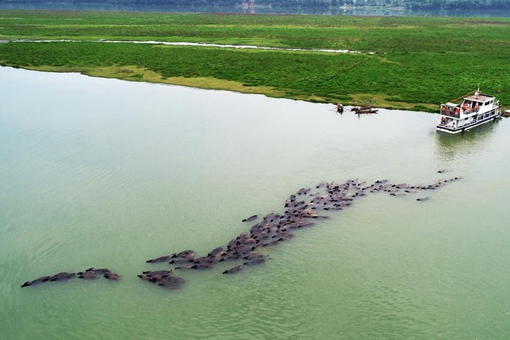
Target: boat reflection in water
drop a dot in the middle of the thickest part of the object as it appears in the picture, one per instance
(476, 140)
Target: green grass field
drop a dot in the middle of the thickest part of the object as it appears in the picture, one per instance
(417, 62)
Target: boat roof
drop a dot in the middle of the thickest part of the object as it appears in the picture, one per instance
(479, 98)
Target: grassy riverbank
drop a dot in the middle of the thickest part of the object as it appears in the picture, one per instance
(410, 63)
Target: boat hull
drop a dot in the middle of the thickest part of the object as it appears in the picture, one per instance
(446, 129)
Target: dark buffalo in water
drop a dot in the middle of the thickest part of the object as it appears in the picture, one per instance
(87, 276)
(251, 218)
(184, 253)
(111, 276)
(233, 270)
(273, 229)
(159, 259)
(157, 272)
(62, 276)
(36, 281)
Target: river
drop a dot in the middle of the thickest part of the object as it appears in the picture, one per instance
(246, 9)
(108, 173)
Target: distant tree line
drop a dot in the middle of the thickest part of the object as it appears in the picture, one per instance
(411, 4)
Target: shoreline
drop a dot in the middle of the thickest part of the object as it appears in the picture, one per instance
(138, 74)
(393, 63)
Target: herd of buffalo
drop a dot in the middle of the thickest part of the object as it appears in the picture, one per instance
(301, 210)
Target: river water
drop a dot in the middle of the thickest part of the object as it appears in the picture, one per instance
(107, 173)
(469, 11)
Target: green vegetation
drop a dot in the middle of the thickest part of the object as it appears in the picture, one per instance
(416, 62)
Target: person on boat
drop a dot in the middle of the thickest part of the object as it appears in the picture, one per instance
(443, 120)
(477, 107)
(468, 107)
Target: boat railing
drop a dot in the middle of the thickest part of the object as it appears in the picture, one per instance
(448, 124)
(450, 112)
(467, 109)
(455, 113)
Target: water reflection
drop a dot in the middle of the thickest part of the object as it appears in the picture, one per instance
(448, 146)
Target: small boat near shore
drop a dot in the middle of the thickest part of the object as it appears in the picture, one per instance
(364, 109)
(474, 110)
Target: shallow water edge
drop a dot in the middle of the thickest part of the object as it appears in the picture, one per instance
(148, 76)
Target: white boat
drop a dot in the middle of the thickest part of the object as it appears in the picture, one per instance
(474, 110)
